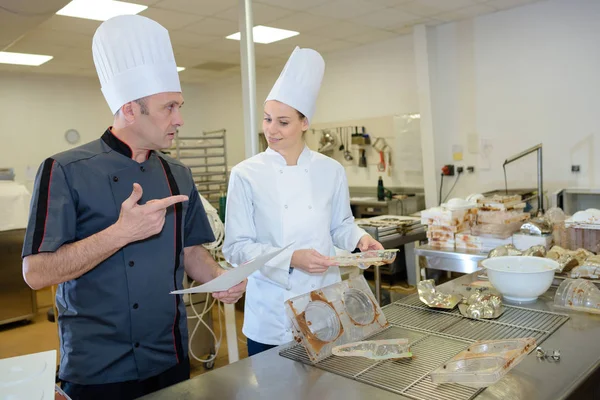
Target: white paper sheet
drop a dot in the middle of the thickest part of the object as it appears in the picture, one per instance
(233, 276)
(28, 377)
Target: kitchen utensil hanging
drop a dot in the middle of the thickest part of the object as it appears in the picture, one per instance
(347, 155)
(381, 165)
(388, 151)
(362, 162)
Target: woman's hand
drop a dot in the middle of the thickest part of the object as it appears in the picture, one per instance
(311, 261)
(367, 243)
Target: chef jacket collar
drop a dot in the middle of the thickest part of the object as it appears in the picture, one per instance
(118, 145)
(279, 160)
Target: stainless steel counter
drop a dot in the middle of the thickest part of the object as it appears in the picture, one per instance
(463, 261)
(270, 376)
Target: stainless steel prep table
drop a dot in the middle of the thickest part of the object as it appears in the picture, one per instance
(462, 261)
(271, 376)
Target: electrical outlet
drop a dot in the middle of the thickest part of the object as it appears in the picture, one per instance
(471, 169)
(448, 170)
(575, 168)
(460, 170)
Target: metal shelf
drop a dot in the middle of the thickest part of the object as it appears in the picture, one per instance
(197, 152)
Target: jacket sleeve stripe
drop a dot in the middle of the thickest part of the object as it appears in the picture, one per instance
(43, 202)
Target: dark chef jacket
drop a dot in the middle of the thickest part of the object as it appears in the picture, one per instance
(118, 321)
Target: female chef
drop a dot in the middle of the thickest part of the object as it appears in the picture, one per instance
(288, 194)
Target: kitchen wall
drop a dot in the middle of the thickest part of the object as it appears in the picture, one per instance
(36, 111)
(510, 80)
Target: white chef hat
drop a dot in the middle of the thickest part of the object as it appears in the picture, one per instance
(134, 59)
(299, 83)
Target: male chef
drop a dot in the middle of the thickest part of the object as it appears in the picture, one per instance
(115, 223)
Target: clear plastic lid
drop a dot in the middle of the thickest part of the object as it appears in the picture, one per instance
(483, 363)
(359, 307)
(578, 295)
(322, 321)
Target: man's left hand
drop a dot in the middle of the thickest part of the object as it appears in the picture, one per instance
(368, 243)
(232, 295)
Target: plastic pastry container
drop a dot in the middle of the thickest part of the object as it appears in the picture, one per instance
(366, 259)
(483, 363)
(345, 312)
(578, 295)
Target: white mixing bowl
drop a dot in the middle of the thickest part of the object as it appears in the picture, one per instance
(520, 279)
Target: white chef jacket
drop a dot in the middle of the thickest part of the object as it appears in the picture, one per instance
(271, 204)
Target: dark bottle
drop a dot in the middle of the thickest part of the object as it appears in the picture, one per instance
(380, 190)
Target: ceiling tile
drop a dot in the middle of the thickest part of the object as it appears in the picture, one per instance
(387, 18)
(285, 47)
(427, 8)
(282, 49)
(58, 38)
(505, 4)
(374, 36)
(298, 5)
(270, 62)
(188, 39)
(210, 54)
(389, 3)
(67, 24)
(214, 27)
(402, 29)
(186, 57)
(334, 45)
(405, 31)
(224, 45)
(261, 13)
(171, 19)
(302, 22)
(340, 30)
(144, 2)
(203, 7)
(345, 9)
(464, 13)
(17, 68)
(83, 59)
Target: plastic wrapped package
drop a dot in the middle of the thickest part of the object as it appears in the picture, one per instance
(442, 243)
(499, 231)
(574, 237)
(440, 235)
(445, 217)
(464, 227)
(501, 203)
(501, 217)
(468, 242)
